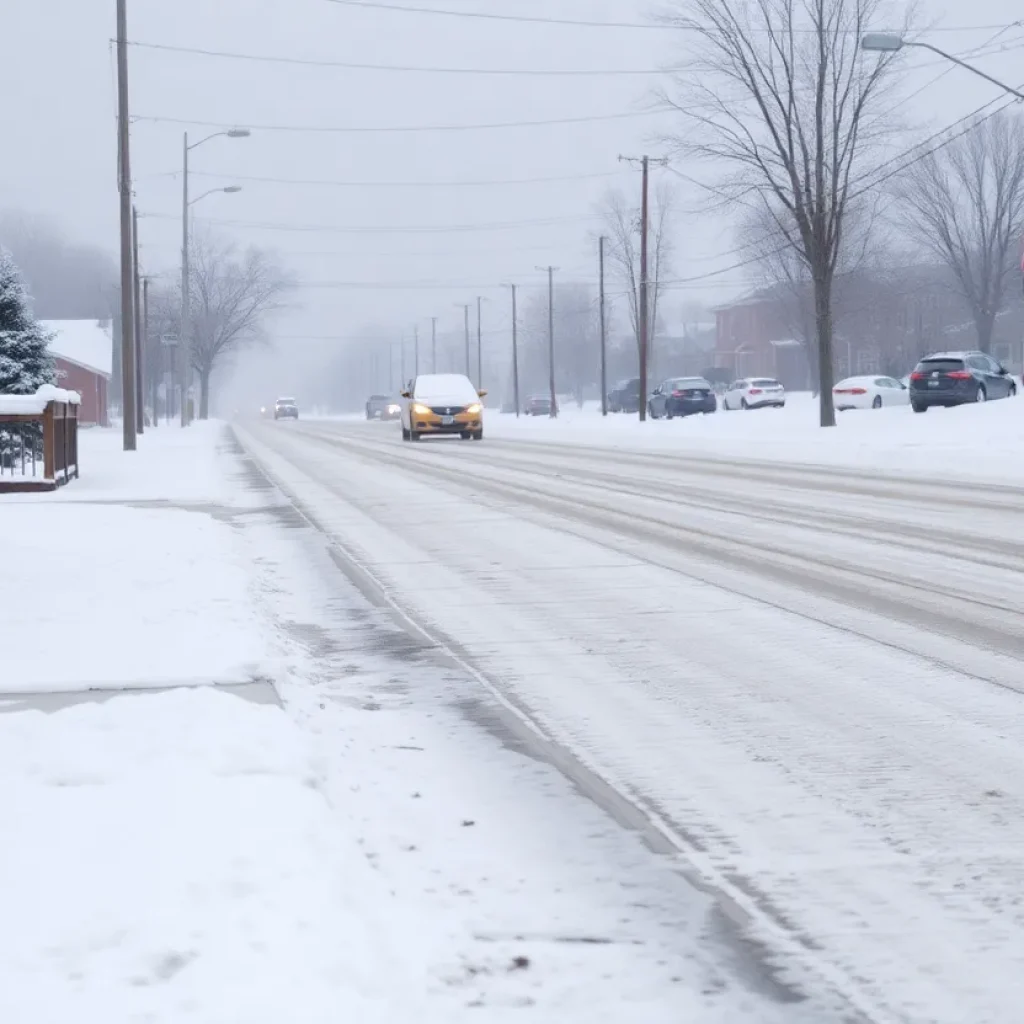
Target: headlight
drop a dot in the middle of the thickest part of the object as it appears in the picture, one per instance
(475, 409)
(420, 410)
(394, 408)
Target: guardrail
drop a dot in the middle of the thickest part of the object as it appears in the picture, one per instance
(38, 440)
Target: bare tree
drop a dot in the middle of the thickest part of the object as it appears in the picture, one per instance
(622, 218)
(232, 294)
(965, 205)
(779, 92)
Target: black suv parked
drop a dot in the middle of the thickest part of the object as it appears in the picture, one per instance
(955, 378)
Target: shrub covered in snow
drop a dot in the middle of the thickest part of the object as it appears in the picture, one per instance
(25, 361)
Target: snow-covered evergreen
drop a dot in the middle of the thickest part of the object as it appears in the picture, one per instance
(25, 361)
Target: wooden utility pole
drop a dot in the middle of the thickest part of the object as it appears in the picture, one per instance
(416, 350)
(433, 344)
(643, 307)
(515, 351)
(124, 184)
(604, 329)
(469, 358)
(155, 371)
(140, 390)
(551, 338)
(645, 334)
(479, 347)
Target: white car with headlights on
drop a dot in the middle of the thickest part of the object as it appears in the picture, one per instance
(869, 392)
(442, 404)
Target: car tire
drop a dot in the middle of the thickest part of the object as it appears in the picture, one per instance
(877, 403)
(669, 414)
(478, 435)
(1013, 391)
(917, 407)
(981, 395)
(744, 406)
(413, 435)
(405, 433)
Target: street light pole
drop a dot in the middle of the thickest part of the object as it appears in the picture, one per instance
(892, 42)
(124, 185)
(465, 311)
(184, 346)
(433, 344)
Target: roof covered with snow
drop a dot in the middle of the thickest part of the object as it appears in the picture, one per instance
(87, 343)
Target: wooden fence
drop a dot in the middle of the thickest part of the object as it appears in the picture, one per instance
(39, 451)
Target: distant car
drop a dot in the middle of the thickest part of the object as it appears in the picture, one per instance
(754, 393)
(956, 378)
(383, 407)
(682, 396)
(869, 392)
(625, 396)
(286, 409)
(442, 404)
(539, 405)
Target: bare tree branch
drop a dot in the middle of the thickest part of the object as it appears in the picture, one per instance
(779, 93)
(232, 293)
(965, 206)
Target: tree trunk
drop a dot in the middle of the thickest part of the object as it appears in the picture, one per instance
(823, 325)
(984, 324)
(204, 394)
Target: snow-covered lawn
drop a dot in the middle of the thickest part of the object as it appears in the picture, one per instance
(969, 441)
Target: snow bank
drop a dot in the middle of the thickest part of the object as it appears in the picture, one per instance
(169, 856)
(980, 441)
(35, 405)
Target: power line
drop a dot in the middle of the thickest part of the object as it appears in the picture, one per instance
(395, 129)
(406, 68)
(386, 230)
(336, 183)
(375, 5)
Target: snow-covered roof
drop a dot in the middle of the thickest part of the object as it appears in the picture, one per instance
(87, 343)
(35, 405)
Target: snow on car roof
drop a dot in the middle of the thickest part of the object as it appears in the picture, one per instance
(456, 386)
(86, 343)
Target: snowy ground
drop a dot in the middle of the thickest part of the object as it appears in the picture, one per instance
(807, 679)
(375, 837)
(967, 441)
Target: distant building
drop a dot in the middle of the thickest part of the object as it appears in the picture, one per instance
(84, 353)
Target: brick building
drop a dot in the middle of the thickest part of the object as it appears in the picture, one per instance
(84, 353)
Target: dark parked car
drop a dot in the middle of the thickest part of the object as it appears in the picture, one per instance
(625, 396)
(382, 407)
(682, 396)
(956, 378)
(539, 405)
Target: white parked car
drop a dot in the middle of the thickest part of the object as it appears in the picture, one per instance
(754, 393)
(869, 392)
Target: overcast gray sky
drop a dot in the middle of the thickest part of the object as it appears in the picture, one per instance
(57, 75)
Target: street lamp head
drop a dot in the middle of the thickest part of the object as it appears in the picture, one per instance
(231, 188)
(882, 42)
(238, 133)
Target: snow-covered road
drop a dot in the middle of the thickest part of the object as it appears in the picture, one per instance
(808, 679)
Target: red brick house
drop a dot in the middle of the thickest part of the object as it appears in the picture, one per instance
(84, 353)
(752, 340)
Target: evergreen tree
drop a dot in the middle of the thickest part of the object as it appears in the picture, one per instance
(25, 361)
